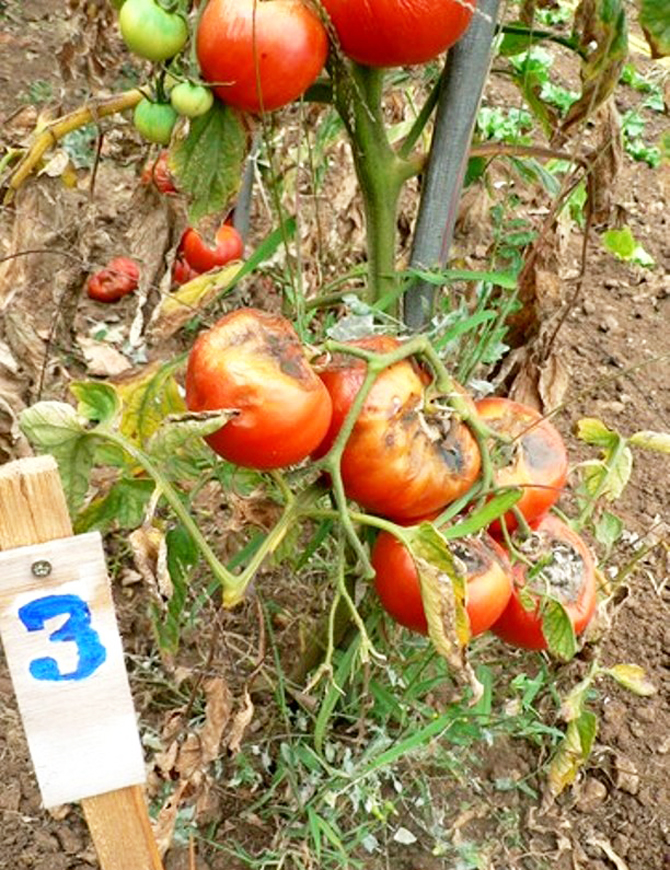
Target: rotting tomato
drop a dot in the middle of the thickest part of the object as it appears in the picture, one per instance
(254, 363)
(482, 561)
(566, 572)
(182, 273)
(191, 100)
(154, 121)
(400, 461)
(260, 55)
(383, 33)
(537, 460)
(202, 258)
(150, 31)
(119, 278)
(157, 172)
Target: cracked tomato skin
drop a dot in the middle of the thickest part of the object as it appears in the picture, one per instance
(391, 465)
(384, 33)
(539, 463)
(488, 574)
(289, 51)
(253, 362)
(523, 628)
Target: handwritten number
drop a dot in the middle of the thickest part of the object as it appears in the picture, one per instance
(76, 628)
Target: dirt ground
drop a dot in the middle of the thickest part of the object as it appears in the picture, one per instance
(615, 342)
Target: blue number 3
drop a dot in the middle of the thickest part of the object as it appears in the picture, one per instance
(77, 628)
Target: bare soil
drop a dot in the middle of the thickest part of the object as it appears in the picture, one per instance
(615, 343)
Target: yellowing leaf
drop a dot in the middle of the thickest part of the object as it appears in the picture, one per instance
(633, 678)
(147, 398)
(573, 751)
(594, 431)
(659, 441)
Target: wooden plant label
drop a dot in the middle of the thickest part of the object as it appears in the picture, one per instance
(64, 653)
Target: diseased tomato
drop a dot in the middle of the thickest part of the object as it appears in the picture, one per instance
(151, 31)
(484, 564)
(182, 273)
(191, 100)
(254, 363)
(154, 121)
(537, 458)
(400, 461)
(201, 257)
(119, 278)
(157, 172)
(260, 55)
(383, 33)
(567, 573)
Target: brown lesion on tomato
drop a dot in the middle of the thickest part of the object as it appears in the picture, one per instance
(537, 451)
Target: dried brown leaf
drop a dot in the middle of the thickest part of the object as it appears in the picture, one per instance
(218, 708)
(102, 360)
(164, 825)
(150, 555)
(240, 723)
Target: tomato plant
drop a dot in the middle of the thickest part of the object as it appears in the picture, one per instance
(119, 278)
(399, 461)
(201, 257)
(382, 33)
(254, 363)
(260, 56)
(536, 460)
(191, 100)
(157, 172)
(563, 568)
(151, 31)
(483, 562)
(154, 121)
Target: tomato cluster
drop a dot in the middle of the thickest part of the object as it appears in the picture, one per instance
(405, 458)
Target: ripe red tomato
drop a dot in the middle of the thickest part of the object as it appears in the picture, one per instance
(156, 172)
(485, 564)
(260, 56)
(398, 32)
(569, 575)
(119, 277)
(201, 257)
(399, 461)
(253, 362)
(537, 459)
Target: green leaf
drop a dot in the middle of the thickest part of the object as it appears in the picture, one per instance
(122, 507)
(594, 431)
(176, 431)
(55, 427)
(608, 530)
(654, 19)
(558, 630)
(622, 244)
(633, 678)
(208, 163)
(482, 518)
(182, 558)
(147, 398)
(659, 441)
(602, 35)
(96, 401)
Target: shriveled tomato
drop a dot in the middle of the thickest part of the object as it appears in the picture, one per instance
(119, 278)
(254, 363)
(201, 257)
(260, 55)
(157, 172)
(536, 460)
(565, 571)
(383, 33)
(400, 460)
(482, 561)
(182, 273)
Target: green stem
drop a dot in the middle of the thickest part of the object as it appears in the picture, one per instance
(380, 171)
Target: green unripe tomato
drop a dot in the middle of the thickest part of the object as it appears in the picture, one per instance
(151, 32)
(154, 121)
(191, 100)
